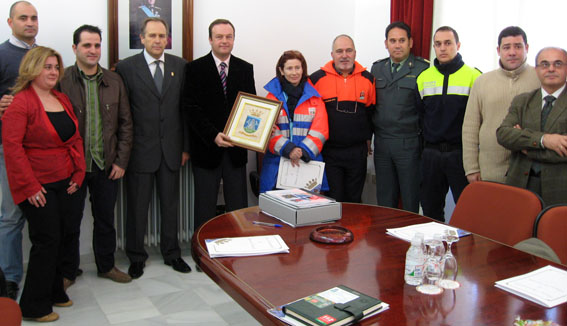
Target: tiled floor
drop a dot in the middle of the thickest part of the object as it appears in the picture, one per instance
(160, 297)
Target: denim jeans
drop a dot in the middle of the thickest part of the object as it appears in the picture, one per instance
(11, 225)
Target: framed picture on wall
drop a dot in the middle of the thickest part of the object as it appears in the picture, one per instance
(125, 20)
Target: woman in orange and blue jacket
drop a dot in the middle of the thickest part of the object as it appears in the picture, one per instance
(302, 127)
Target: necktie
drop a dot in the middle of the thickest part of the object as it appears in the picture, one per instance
(395, 68)
(546, 109)
(536, 166)
(223, 76)
(158, 77)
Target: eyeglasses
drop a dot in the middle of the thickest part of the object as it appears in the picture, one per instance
(547, 64)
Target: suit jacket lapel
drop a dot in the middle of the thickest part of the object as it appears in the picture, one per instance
(532, 113)
(143, 71)
(167, 74)
(214, 73)
(557, 110)
(232, 74)
(387, 71)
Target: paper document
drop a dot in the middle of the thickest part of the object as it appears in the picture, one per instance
(307, 175)
(246, 246)
(546, 286)
(428, 229)
(299, 198)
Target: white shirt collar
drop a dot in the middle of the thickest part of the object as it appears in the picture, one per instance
(150, 59)
(555, 94)
(218, 61)
(21, 44)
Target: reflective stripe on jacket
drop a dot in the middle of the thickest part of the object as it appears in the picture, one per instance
(308, 131)
(444, 100)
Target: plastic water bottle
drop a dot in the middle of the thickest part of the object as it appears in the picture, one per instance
(415, 258)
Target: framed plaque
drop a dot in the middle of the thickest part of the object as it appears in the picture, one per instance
(251, 120)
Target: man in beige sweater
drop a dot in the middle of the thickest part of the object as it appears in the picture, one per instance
(490, 98)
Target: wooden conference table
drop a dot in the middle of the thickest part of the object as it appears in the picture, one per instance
(374, 264)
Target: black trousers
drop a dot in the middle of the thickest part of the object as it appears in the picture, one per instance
(346, 171)
(207, 183)
(139, 188)
(44, 282)
(441, 170)
(103, 192)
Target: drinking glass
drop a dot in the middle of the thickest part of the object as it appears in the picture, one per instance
(449, 263)
(450, 236)
(432, 270)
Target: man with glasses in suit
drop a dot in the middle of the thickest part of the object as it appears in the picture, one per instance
(535, 131)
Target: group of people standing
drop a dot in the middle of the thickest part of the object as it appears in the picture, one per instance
(84, 127)
(78, 128)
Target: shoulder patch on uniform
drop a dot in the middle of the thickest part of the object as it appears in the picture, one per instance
(381, 60)
(317, 75)
(422, 60)
(368, 76)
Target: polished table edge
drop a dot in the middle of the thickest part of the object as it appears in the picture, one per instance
(229, 281)
(252, 301)
(247, 297)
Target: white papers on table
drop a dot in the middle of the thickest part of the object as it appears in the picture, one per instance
(428, 229)
(546, 286)
(307, 175)
(299, 198)
(246, 246)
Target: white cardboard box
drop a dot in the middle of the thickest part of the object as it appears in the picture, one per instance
(300, 216)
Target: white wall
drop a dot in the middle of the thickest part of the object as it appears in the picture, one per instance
(479, 23)
(57, 21)
(265, 29)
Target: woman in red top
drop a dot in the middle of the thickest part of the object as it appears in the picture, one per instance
(45, 166)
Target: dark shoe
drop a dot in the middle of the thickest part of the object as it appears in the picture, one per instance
(53, 316)
(63, 304)
(67, 283)
(179, 265)
(136, 269)
(12, 290)
(79, 272)
(116, 275)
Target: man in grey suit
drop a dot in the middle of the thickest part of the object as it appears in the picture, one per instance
(397, 144)
(535, 131)
(154, 81)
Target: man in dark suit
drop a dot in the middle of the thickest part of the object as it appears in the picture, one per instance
(212, 83)
(535, 131)
(153, 81)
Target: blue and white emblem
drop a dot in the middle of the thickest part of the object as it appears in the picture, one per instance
(251, 124)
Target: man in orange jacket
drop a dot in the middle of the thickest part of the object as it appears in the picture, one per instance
(348, 91)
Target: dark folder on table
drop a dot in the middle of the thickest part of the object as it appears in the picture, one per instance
(340, 305)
